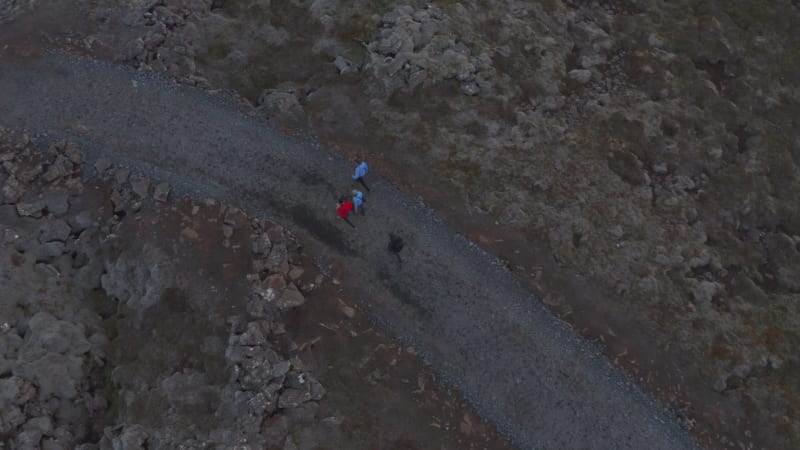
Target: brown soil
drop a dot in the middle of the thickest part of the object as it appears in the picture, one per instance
(379, 392)
(385, 397)
(581, 302)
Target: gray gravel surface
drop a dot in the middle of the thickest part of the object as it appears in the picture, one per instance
(543, 385)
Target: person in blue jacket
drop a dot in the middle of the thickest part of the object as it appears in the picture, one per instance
(361, 172)
(358, 201)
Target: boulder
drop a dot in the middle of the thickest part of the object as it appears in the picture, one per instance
(30, 205)
(580, 76)
(42, 424)
(261, 245)
(282, 103)
(235, 217)
(292, 398)
(56, 201)
(73, 152)
(189, 234)
(47, 252)
(28, 439)
(60, 336)
(161, 192)
(54, 374)
(11, 417)
(81, 221)
(138, 277)
(704, 291)
(132, 437)
(343, 65)
(121, 175)
(30, 175)
(62, 167)
(140, 185)
(12, 190)
(54, 230)
(290, 298)
(253, 336)
(256, 373)
(278, 259)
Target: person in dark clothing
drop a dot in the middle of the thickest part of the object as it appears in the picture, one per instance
(344, 210)
(360, 173)
(396, 244)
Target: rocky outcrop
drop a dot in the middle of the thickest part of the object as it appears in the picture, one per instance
(109, 345)
(421, 47)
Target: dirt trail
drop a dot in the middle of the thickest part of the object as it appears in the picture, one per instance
(536, 379)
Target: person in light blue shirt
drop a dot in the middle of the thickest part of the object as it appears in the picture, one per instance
(358, 201)
(361, 172)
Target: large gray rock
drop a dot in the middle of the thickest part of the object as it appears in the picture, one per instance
(12, 190)
(11, 417)
(30, 175)
(281, 103)
(73, 152)
(257, 372)
(131, 437)
(54, 230)
(140, 185)
(62, 167)
(139, 277)
(42, 424)
(253, 336)
(343, 65)
(190, 389)
(48, 251)
(61, 438)
(54, 374)
(28, 439)
(56, 201)
(278, 259)
(9, 344)
(581, 76)
(292, 398)
(81, 221)
(161, 192)
(47, 332)
(30, 205)
(261, 244)
(704, 291)
(10, 390)
(290, 298)
(122, 175)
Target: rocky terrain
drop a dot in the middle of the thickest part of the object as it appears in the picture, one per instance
(131, 320)
(107, 341)
(648, 147)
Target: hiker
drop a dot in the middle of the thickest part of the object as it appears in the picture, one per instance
(361, 172)
(358, 201)
(395, 245)
(344, 210)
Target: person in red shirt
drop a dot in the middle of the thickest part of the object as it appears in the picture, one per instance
(344, 209)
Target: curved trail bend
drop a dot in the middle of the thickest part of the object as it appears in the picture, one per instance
(536, 379)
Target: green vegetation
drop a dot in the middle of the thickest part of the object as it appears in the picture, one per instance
(252, 83)
(358, 27)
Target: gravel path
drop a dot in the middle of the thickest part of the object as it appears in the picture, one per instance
(543, 385)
